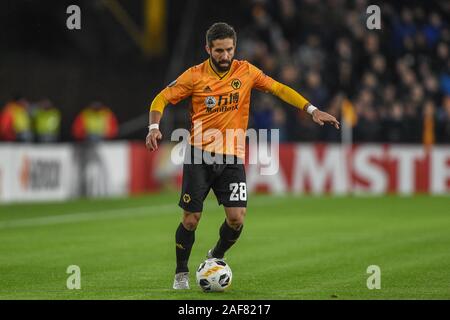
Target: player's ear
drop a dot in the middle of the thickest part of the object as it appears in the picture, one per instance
(208, 50)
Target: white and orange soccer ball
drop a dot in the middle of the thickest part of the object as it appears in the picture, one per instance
(214, 275)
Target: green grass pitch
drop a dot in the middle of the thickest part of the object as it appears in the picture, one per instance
(291, 248)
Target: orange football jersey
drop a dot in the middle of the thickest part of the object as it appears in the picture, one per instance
(220, 104)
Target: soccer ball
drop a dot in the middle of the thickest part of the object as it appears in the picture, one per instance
(214, 275)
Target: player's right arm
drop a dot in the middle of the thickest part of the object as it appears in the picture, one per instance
(155, 115)
(173, 93)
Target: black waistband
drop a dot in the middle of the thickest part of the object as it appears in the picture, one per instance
(200, 156)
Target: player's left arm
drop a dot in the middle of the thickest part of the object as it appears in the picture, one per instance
(265, 83)
(295, 99)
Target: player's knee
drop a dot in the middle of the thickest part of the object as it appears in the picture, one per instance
(190, 224)
(236, 219)
(191, 220)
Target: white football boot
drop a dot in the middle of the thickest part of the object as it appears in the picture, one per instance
(210, 256)
(181, 281)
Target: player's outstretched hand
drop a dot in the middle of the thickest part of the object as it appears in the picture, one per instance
(150, 141)
(321, 118)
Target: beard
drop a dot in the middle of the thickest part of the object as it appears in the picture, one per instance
(222, 65)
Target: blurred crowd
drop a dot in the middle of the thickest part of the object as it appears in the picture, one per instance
(396, 80)
(394, 83)
(40, 121)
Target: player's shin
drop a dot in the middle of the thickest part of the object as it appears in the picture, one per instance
(228, 237)
(184, 241)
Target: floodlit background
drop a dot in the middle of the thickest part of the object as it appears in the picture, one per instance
(78, 187)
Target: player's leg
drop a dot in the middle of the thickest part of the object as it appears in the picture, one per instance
(195, 187)
(230, 189)
(185, 238)
(230, 231)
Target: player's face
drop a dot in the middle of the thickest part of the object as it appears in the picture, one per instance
(221, 53)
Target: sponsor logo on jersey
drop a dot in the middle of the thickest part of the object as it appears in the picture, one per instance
(210, 102)
(226, 102)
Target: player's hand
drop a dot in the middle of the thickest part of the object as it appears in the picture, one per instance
(321, 118)
(151, 140)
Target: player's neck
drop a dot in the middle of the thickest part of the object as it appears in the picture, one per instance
(220, 74)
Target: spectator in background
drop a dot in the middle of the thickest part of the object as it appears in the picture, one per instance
(47, 121)
(394, 128)
(314, 88)
(368, 128)
(279, 122)
(268, 114)
(262, 112)
(378, 65)
(404, 29)
(344, 67)
(264, 27)
(311, 54)
(442, 67)
(432, 30)
(94, 123)
(15, 121)
(443, 122)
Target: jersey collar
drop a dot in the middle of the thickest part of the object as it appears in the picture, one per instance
(218, 75)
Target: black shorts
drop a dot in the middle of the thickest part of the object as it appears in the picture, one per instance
(227, 181)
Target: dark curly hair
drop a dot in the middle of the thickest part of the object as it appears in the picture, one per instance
(220, 30)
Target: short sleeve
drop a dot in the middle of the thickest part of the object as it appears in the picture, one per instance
(261, 81)
(179, 89)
